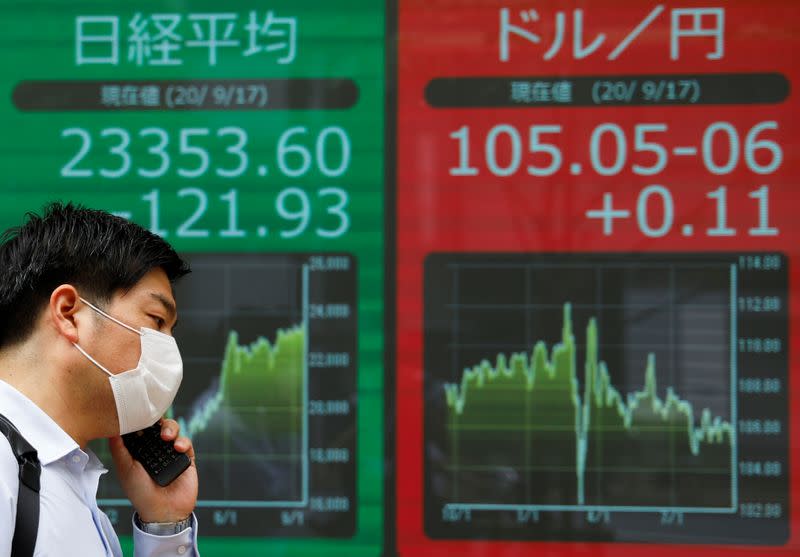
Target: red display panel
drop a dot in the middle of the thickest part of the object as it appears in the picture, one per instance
(597, 254)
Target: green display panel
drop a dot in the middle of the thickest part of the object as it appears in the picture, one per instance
(251, 137)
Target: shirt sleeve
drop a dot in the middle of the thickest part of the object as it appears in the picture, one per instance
(182, 544)
(9, 485)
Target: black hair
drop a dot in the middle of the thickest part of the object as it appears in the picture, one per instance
(95, 251)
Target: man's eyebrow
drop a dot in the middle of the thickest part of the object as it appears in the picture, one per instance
(166, 302)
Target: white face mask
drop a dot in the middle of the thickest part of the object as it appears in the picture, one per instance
(144, 393)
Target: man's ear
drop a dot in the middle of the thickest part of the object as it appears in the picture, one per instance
(63, 309)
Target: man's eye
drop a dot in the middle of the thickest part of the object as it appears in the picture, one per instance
(159, 321)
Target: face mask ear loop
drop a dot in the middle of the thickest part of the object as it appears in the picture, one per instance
(114, 319)
(95, 362)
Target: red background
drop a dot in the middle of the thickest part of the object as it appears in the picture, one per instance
(441, 213)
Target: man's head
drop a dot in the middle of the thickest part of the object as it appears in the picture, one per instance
(65, 278)
(98, 253)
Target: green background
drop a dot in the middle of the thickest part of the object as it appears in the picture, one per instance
(343, 39)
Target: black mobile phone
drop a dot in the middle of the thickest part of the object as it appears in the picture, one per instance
(158, 457)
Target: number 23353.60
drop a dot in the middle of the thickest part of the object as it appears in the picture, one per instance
(153, 152)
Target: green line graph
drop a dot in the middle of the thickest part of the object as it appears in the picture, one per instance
(538, 400)
(249, 413)
(259, 375)
(606, 397)
(261, 397)
(269, 395)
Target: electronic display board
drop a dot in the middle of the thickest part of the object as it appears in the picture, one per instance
(250, 136)
(591, 254)
(597, 249)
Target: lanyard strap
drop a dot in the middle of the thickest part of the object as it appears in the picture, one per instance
(30, 470)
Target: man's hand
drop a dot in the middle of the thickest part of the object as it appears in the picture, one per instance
(153, 502)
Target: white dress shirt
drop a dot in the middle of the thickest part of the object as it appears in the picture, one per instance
(70, 523)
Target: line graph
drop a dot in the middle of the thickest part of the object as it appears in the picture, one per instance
(547, 388)
(246, 370)
(253, 419)
(266, 384)
(269, 393)
(599, 396)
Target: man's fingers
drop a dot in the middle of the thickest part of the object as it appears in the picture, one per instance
(184, 445)
(170, 432)
(169, 429)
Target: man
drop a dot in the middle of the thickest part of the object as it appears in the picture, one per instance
(86, 352)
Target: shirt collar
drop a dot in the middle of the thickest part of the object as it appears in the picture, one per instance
(50, 441)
